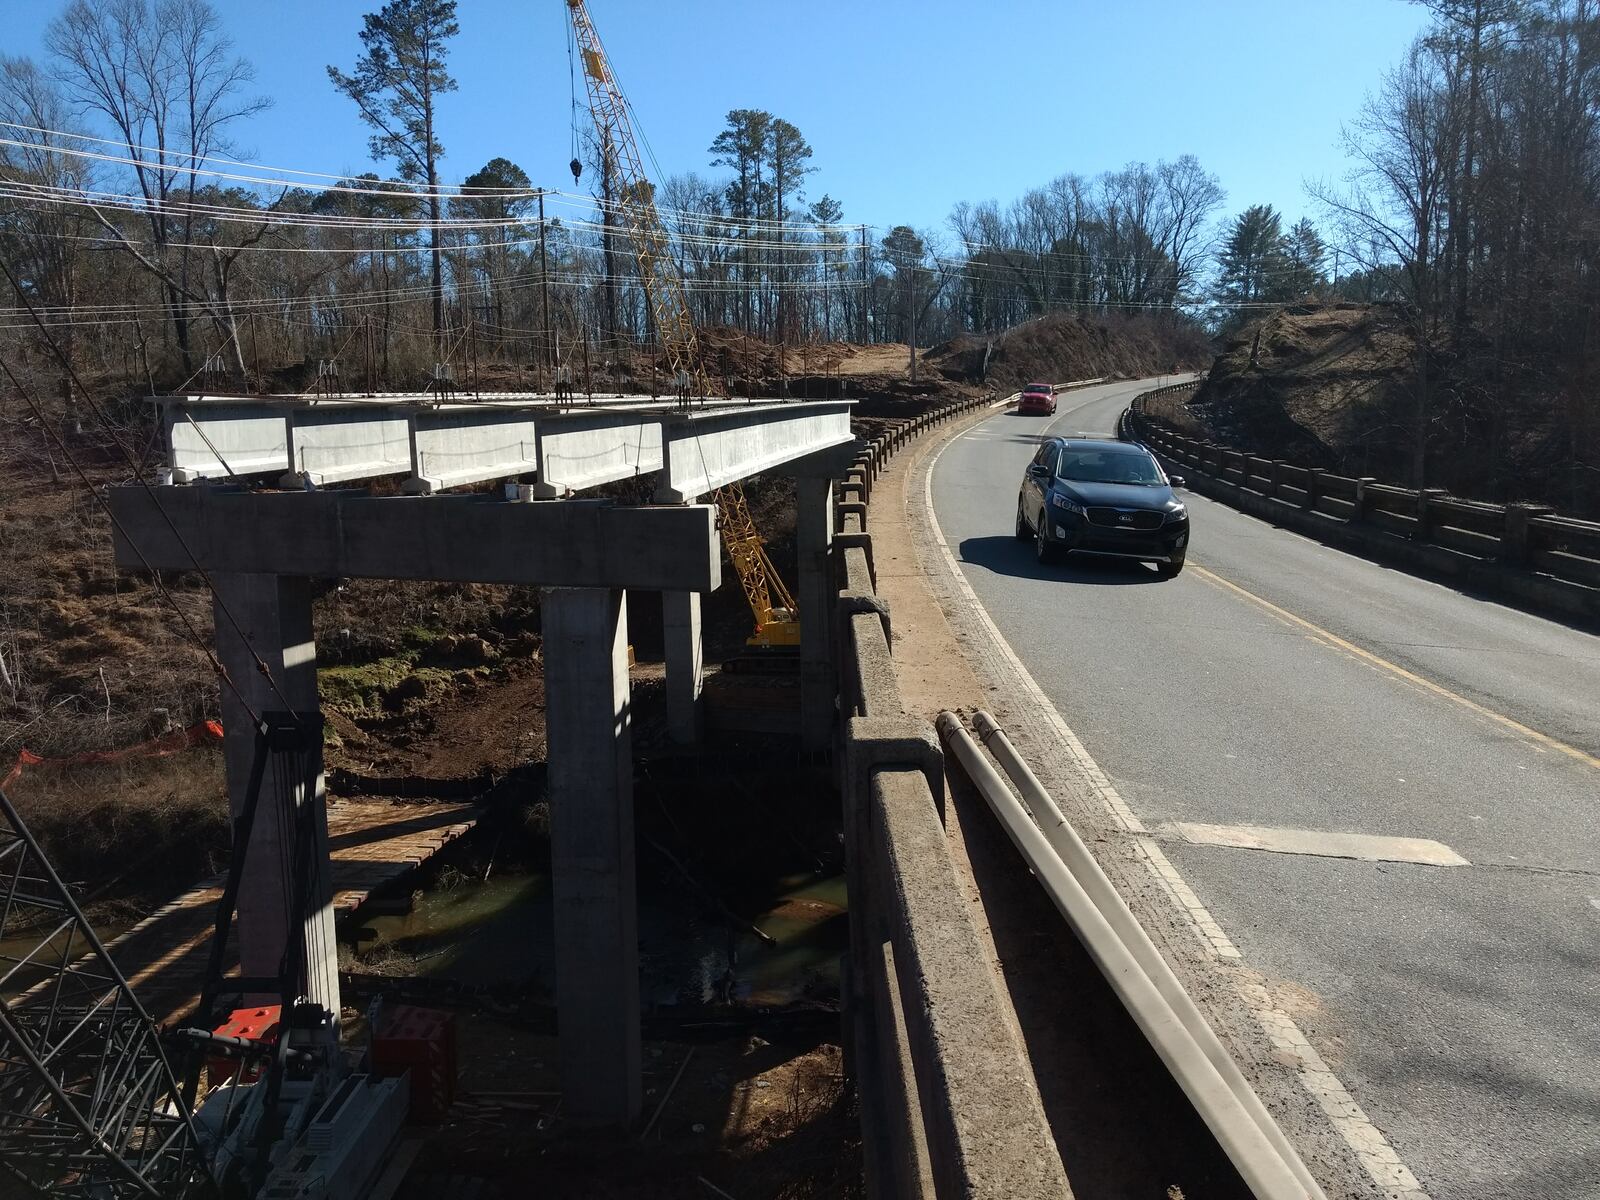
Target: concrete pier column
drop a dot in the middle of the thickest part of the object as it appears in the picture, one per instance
(587, 724)
(685, 653)
(816, 594)
(273, 615)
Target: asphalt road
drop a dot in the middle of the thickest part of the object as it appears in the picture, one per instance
(1280, 683)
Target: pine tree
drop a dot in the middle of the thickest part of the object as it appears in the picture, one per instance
(743, 147)
(1252, 260)
(397, 80)
(1304, 259)
(490, 194)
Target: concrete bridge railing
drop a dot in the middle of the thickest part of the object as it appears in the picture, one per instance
(1526, 552)
(948, 1100)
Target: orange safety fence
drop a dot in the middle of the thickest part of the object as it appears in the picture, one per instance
(168, 743)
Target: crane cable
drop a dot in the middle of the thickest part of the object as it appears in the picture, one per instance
(576, 165)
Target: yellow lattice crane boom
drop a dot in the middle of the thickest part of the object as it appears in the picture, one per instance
(776, 616)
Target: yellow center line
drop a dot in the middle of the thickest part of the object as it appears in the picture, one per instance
(1333, 639)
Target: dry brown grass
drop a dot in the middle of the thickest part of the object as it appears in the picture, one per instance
(129, 834)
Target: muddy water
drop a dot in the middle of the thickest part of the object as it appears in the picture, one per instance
(17, 975)
(500, 931)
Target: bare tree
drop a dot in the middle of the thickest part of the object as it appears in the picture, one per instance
(1396, 199)
(43, 240)
(162, 73)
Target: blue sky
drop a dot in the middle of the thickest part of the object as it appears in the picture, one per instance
(910, 106)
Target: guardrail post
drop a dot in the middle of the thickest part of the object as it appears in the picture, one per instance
(1362, 502)
(1515, 547)
(1274, 477)
(1424, 529)
(1219, 457)
(1313, 487)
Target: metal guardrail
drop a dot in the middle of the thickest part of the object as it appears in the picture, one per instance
(1526, 550)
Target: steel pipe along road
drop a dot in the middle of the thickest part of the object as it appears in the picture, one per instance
(1268, 1166)
(1382, 794)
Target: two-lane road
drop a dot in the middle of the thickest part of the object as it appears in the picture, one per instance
(1278, 683)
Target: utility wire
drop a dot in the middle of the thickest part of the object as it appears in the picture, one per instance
(219, 603)
(155, 576)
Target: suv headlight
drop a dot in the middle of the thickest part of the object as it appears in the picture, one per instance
(1177, 513)
(1064, 504)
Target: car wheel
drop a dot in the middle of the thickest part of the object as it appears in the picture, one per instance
(1042, 549)
(1168, 569)
(1023, 532)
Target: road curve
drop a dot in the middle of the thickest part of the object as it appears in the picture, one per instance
(1278, 683)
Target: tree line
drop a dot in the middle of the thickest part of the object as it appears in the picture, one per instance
(1475, 205)
(150, 261)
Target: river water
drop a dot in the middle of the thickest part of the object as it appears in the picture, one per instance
(692, 951)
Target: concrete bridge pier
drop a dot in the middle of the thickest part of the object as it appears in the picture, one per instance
(815, 594)
(685, 655)
(273, 618)
(587, 725)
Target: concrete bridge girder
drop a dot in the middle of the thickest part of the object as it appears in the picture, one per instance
(436, 447)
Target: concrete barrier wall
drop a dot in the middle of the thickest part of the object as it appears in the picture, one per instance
(949, 1106)
(1524, 553)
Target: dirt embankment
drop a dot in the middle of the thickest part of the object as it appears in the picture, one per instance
(1323, 385)
(1073, 346)
(1335, 386)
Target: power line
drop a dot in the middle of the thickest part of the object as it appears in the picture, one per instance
(219, 605)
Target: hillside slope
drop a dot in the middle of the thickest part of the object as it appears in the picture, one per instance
(1065, 346)
(1333, 386)
(1326, 385)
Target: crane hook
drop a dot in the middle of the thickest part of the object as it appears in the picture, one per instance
(577, 169)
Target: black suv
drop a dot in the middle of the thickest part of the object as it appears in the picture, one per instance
(1088, 495)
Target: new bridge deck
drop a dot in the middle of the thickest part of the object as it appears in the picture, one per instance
(372, 842)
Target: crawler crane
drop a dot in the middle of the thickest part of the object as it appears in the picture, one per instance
(776, 615)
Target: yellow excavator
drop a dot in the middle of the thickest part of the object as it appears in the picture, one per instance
(776, 615)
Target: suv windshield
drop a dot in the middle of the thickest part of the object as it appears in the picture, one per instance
(1108, 466)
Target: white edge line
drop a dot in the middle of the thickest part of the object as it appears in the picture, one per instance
(1364, 1138)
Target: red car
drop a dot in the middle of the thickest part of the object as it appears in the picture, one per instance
(1037, 398)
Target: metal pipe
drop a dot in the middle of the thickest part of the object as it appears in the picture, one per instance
(1064, 840)
(1253, 1156)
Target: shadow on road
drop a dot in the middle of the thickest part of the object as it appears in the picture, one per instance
(1005, 555)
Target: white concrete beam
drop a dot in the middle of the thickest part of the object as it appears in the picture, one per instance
(581, 450)
(243, 438)
(452, 448)
(713, 447)
(442, 446)
(338, 444)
